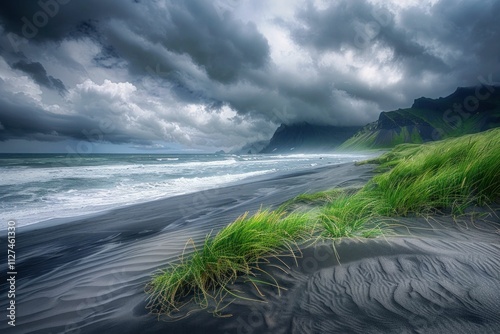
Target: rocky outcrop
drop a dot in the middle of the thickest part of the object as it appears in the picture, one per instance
(467, 110)
(307, 137)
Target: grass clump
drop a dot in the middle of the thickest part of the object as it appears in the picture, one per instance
(414, 179)
(235, 250)
(420, 179)
(450, 174)
(390, 159)
(316, 199)
(348, 216)
(322, 196)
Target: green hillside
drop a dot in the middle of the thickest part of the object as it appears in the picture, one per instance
(467, 110)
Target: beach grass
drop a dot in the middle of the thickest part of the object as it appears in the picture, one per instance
(446, 175)
(413, 179)
(322, 196)
(349, 215)
(449, 175)
(235, 250)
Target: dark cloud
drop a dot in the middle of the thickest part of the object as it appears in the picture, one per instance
(359, 25)
(54, 20)
(39, 74)
(223, 46)
(446, 40)
(23, 120)
(332, 27)
(439, 39)
(342, 63)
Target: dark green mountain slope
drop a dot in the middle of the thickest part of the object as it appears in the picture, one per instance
(467, 110)
(307, 137)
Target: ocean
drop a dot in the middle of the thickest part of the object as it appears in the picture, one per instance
(39, 187)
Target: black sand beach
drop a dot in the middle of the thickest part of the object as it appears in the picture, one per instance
(436, 275)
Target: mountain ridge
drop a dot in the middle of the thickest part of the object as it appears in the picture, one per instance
(303, 136)
(467, 110)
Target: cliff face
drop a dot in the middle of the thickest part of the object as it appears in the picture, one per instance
(467, 110)
(307, 137)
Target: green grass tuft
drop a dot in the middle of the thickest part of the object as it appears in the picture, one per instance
(235, 250)
(450, 174)
(414, 179)
(347, 216)
(318, 199)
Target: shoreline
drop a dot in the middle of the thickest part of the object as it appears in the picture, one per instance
(67, 268)
(106, 210)
(95, 186)
(89, 275)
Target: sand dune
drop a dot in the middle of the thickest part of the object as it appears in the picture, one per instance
(442, 279)
(88, 276)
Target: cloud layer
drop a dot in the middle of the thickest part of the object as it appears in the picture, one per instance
(219, 74)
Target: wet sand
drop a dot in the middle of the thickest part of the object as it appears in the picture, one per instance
(88, 275)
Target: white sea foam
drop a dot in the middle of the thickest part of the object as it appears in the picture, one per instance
(70, 203)
(39, 190)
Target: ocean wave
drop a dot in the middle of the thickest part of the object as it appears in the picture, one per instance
(34, 194)
(70, 203)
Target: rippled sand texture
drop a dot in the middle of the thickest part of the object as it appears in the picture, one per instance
(89, 275)
(436, 276)
(444, 279)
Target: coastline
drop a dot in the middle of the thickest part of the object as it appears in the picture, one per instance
(88, 275)
(91, 272)
(45, 191)
(250, 167)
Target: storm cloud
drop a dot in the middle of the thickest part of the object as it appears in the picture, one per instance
(219, 74)
(38, 73)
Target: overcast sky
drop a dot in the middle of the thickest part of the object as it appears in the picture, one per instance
(120, 75)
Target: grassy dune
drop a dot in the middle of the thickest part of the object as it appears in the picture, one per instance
(235, 250)
(448, 175)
